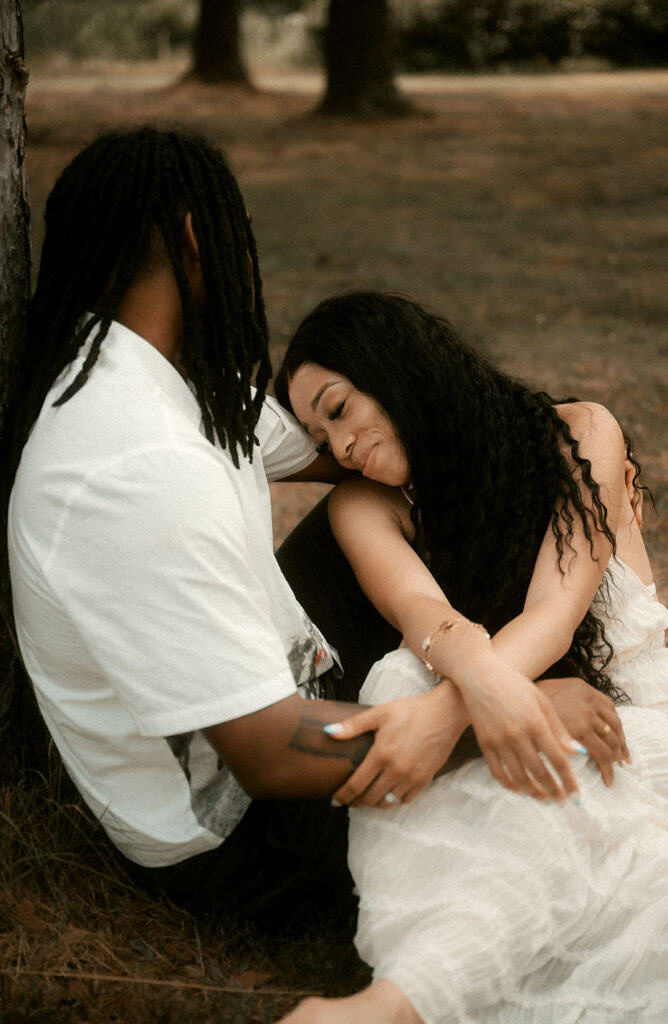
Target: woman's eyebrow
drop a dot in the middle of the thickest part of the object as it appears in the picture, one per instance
(318, 395)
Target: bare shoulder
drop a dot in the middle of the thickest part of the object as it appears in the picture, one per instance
(593, 426)
(371, 503)
(601, 444)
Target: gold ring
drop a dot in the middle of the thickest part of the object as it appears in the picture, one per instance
(605, 730)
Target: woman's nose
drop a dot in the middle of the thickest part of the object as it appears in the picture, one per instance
(342, 446)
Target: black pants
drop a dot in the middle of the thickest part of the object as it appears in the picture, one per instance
(288, 854)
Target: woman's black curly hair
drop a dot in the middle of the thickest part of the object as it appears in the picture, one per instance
(486, 457)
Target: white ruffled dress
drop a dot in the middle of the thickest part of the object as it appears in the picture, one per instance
(486, 907)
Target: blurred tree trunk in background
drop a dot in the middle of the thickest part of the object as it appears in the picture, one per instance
(217, 43)
(359, 60)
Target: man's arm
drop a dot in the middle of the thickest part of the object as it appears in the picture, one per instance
(281, 751)
(324, 469)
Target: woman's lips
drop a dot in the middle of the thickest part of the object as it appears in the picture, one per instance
(369, 462)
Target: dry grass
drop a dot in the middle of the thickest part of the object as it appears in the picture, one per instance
(79, 942)
(533, 212)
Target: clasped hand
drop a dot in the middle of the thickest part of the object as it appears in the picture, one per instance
(523, 739)
(591, 718)
(414, 737)
(518, 733)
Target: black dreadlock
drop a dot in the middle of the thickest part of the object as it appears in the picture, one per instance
(101, 219)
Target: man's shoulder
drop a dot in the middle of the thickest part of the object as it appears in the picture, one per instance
(108, 429)
(132, 402)
(118, 455)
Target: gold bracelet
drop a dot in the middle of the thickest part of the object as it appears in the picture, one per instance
(445, 627)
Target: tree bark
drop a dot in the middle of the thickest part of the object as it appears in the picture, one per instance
(17, 711)
(14, 217)
(217, 46)
(359, 60)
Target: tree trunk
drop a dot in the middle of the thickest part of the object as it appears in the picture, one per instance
(14, 239)
(217, 44)
(17, 711)
(359, 60)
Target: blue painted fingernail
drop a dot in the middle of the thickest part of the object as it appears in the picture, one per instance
(575, 800)
(578, 748)
(332, 730)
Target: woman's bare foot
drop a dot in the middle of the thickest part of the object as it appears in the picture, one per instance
(380, 1003)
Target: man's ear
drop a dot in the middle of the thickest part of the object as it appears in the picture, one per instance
(191, 260)
(191, 245)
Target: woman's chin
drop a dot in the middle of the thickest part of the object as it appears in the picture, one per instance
(388, 479)
(391, 472)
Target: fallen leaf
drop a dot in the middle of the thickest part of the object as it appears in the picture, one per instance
(253, 979)
(26, 916)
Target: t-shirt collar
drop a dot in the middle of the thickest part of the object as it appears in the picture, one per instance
(138, 357)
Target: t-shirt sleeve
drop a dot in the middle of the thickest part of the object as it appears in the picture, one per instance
(286, 447)
(163, 582)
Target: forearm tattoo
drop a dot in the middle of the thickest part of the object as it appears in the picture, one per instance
(309, 738)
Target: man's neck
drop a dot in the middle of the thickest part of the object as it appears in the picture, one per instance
(151, 308)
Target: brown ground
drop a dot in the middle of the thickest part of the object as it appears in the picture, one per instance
(533, 212)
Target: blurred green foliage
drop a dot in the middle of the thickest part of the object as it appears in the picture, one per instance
(440, 35)
(148, 29)
(433, 35)
(130, 29)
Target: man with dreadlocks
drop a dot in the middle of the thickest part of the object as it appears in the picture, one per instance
(168, 654)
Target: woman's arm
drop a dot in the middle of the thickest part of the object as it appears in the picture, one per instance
(400, 585)
(512, 719)
(559, 595)
(561, 590)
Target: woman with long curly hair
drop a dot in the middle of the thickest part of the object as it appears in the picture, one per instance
(495, 531)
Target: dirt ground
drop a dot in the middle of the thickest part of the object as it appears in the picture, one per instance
(530, 210)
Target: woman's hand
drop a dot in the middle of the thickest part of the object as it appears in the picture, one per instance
(519, 732)
(414, 736)
(592, 719)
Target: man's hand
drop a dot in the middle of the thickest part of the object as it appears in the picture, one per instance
(413, 738)
(591, 719)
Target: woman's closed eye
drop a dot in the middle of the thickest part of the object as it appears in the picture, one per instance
(323, 446)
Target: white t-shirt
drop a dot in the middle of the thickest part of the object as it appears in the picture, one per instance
(147, 598)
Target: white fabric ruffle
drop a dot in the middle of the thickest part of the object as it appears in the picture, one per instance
(486, 907)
